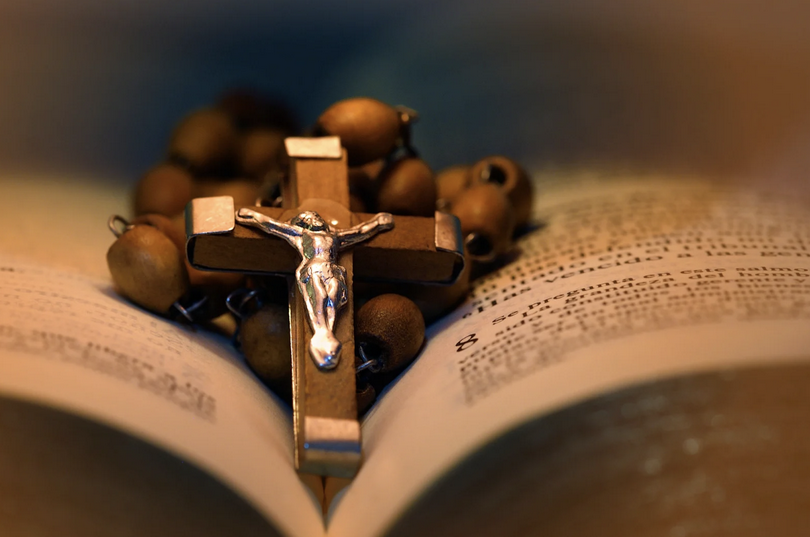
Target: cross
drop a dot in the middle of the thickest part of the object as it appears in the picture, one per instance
(416, 249)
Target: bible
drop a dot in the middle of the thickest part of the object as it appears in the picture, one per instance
(637, 366)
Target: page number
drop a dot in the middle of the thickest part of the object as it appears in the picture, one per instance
(466, 342)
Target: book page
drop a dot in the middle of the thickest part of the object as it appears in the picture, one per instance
(68, 341)
(626, 281)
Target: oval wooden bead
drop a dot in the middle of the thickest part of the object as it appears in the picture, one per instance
(357, 204)
(244, 192)
(250, 109)
(243, 105)
(512, 179)
(165, 189)
(391, 330)
(170, 227)
(265, 341)
(363, 185)
(147, 268)
(450, 182)
(366, 395)
(407, 187)
(368, 128)
(487, 221)
(260, 152)
(217, 283)
(206, 141)
(215, 287)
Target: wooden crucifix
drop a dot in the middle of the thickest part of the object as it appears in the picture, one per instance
(258, 240)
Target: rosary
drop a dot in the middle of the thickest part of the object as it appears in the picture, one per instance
(290, 248)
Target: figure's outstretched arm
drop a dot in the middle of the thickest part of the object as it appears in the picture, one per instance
(249, 217)
(366, 230)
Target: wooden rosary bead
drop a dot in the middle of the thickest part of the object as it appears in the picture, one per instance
(265, 341)
(357, 204)
(363, 184)
(243, 191)
(260, 152)
(366, 395)
(167, 226)
(222, 283)
(165, 189)
(450, 182)
(273, 288)
(205, 141)
(214, 285)
(243, 105)
(390, 329)
(512, 179)
(148, 269)
(368, 129)
(250, 109)
(487, 221)
(407, 187)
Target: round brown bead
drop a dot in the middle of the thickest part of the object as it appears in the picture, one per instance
(512, 179)
(215, 285)
(243, 105)
(373, 168)
(165, 189)
(243, 191)
(450, 182)
(167, 226)
(250, 109)
(407, 187)
(265, 342)
(222, 283)
(487, 221)
(390, 329)
(363, 184)
(260, 152)
(368, 128)
(366, 395)
(205, 141)
(357, 204)
(147, 268)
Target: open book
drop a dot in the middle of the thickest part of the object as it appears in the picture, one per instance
(640, 366)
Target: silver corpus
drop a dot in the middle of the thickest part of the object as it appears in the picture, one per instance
(321, 281)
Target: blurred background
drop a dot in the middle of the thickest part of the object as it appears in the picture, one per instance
(92, 87)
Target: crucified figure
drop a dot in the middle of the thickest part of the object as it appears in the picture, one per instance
(321, 281)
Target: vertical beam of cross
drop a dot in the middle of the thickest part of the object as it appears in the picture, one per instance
(324, 401)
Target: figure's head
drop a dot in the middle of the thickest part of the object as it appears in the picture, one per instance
(309, 220)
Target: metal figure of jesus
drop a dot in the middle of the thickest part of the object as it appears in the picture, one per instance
(321, 281)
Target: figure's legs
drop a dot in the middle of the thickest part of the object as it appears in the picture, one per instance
(338, 293)
(324, 346)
